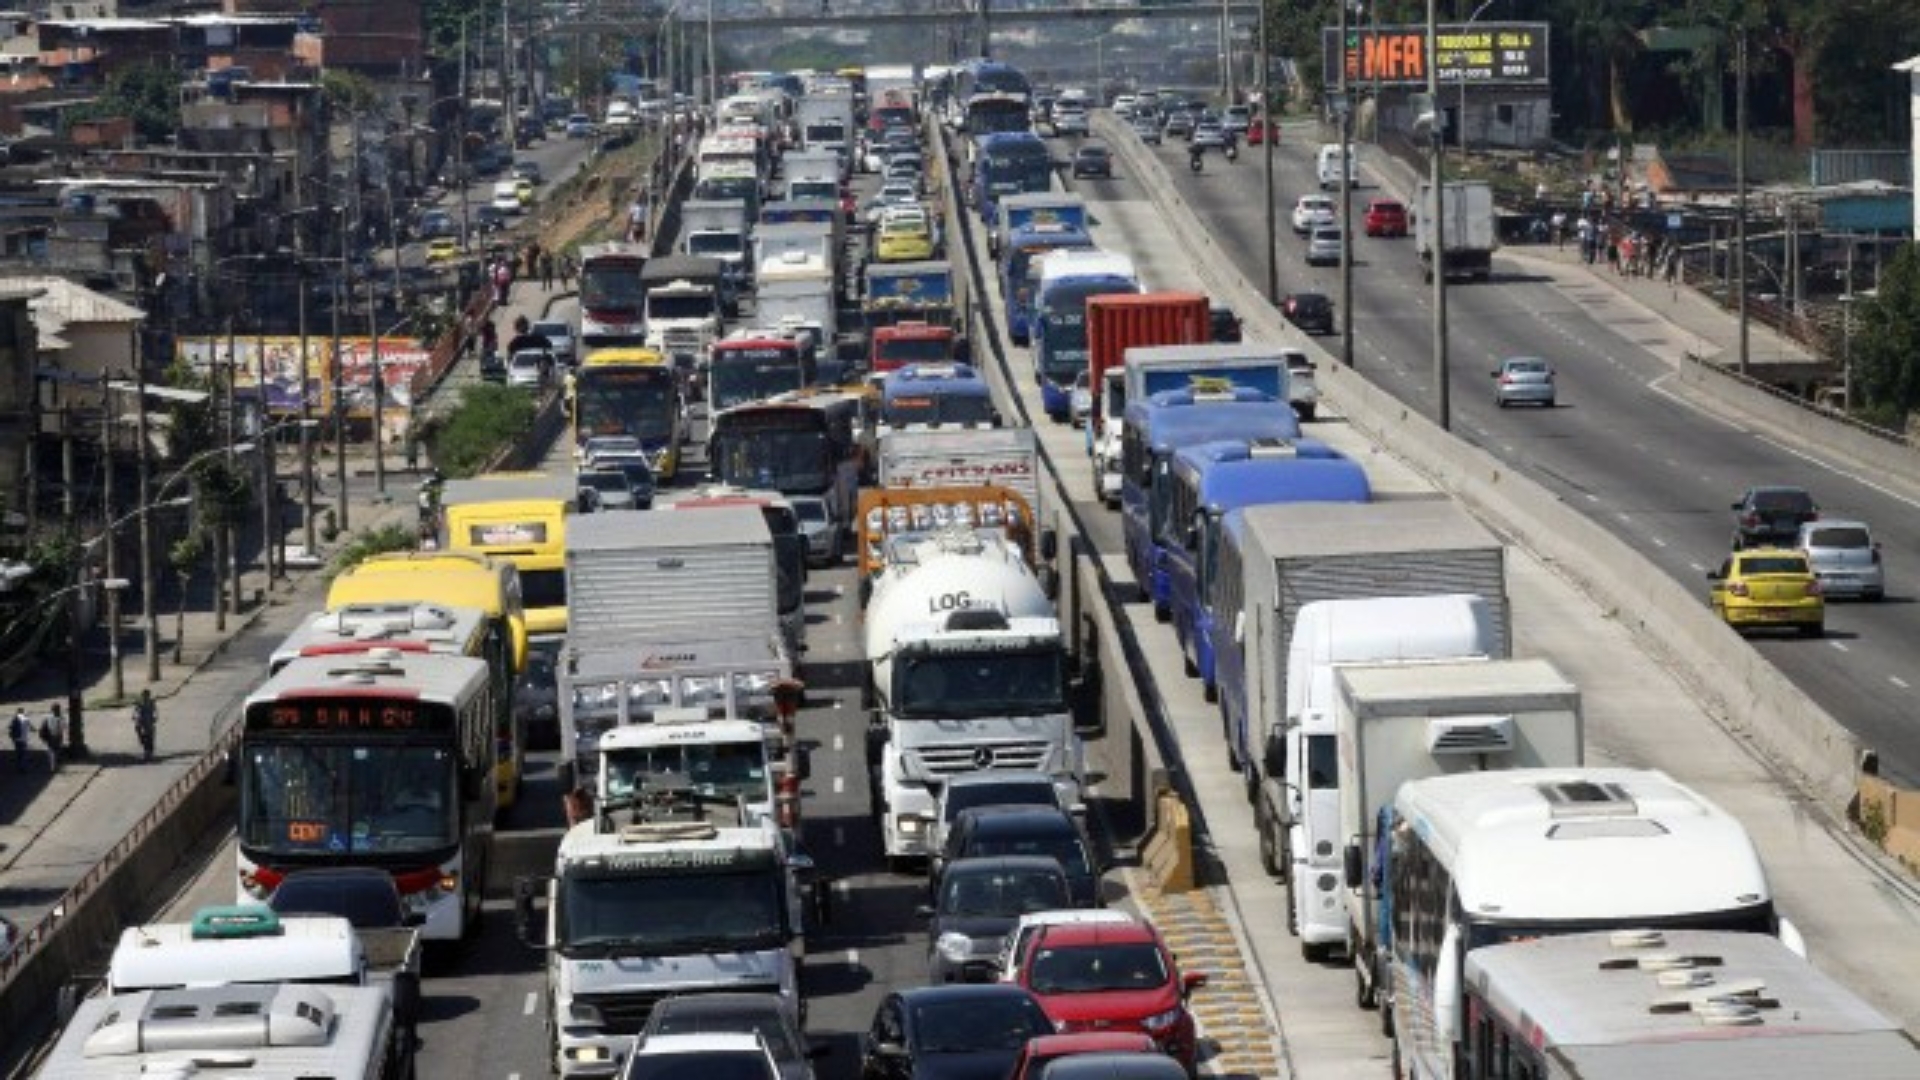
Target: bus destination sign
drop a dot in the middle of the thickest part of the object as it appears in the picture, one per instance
(1482, 53)
(369, 715)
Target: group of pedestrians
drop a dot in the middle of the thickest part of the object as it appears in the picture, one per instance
(51, 731)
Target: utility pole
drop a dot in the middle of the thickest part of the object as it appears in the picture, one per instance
(306, 371)
(1267, 136)
(379, 397)
(149, 618)
(713, 75)
(1345, 113)
(459, 156)
(269, 494)
(227, 532)
(339, 405)
(1740, 192)
(113, 554)
(1435, 209)
(506, 77)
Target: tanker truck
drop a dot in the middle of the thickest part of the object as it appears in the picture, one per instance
(966, 671)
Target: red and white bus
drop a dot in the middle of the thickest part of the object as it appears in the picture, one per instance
(612, 303)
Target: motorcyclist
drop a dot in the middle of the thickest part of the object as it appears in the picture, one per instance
(1195, 153)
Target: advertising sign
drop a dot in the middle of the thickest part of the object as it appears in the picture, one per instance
(401, 359)
(1481, 53)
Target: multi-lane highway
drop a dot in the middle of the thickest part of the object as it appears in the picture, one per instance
(1656, 469)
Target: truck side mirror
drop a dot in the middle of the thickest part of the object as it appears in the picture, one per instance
(531, 929)
(1274, 759)
(1354, 866)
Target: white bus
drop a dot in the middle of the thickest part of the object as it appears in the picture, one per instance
(1478, 859)
(1636, 1004)
(284, 1031)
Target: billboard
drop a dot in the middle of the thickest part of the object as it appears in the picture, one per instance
(1481, 53)
(401, 359)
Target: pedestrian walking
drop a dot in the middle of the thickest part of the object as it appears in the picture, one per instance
(18, 730)
(502, 281)
(52, 734)
(566, 272)
(146, 723)
(1560, 230)
(546, 270)
(533, 260)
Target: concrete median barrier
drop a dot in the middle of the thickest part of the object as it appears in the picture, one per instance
(1749, 696)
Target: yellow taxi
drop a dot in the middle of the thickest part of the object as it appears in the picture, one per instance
(442, 249)
(1767, 587)
(523, 189)
(904, 239)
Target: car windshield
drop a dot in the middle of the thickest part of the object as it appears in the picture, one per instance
(1526, 367)
(1839, 536)
(1772, 564)
(971, 1024)
(1062, 847)
(553, 331)
(810, 510)
(605, 481)
(1001, 892)
(1092, 969)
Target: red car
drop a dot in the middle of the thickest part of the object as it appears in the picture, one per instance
(1113, 977)
(1386, 217)
(1257, 131)
(1038, 1052)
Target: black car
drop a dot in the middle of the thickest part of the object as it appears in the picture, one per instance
(1026, 830)
(1226, 325)
(1093, 160)
(977, 903)
(764, 1015)
(955, 1032)
(436, 223)
(1767, 516)
(1312, 312)
(362, 895)
(488, 218)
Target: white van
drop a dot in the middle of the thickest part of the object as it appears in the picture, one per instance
(506, 196)
(1329, 169)
(621, 115)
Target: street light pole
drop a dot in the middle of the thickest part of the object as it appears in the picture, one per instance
(113, 563)
(1345, 113)
(149, 618)
(1435, 208)
(1740, 192)
(1267, 135)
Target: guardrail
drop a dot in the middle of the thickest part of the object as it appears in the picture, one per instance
(1801, 742)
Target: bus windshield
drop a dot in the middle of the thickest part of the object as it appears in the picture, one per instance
(739, 376)
(611, 286)
(906, 410)
(1018, 171)
(714, 244)
(716, 770)
(899, 351)
(636, 401)
(957, 685)
(670, 914)
(790, 461)
(1064, 327)
(328, 798)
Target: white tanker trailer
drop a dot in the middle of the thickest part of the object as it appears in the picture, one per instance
(966, 671)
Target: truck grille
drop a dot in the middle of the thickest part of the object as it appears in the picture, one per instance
(681, 340)
(627, 1013)
(967, 757)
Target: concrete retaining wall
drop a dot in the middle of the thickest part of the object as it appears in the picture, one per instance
(1751, 697)
(1805, 426)
(85, 923)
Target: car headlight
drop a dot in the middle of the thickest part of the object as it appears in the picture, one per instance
(954, 948)
(1162, 1020)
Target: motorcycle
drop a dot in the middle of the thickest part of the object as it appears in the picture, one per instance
(1194, 156)
(1233, 150)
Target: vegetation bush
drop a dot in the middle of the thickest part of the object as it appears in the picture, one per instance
(487, 420)
(373, 542)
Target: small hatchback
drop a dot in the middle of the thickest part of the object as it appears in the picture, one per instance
(1323, 247)
(1523, 380)
(1768, 587)
(1093, 161)
(1386, 217)
(1114, 977)
(1845, 558)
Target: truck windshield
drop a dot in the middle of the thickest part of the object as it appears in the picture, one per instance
(898, 351)
(714, 244)
(714, 769)
(305, 798)
(670, 914)
(813, 189)
(959, 685)
(680, 306)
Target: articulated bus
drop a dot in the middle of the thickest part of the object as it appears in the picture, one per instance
(455, 579)
(1605, 1006)
(630, 392)
(377, 760)
(1155, 430)
(611, 300)
(1475, 860)
(522, 518)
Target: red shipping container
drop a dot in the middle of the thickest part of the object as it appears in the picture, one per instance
(1121, 321)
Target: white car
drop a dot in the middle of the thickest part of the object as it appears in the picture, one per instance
(897, 194)
(719, 1054)
(1312, 212)
(506, 197)
(1303, 392)
(527, 369)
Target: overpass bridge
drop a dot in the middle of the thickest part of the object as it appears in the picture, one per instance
(603, 21)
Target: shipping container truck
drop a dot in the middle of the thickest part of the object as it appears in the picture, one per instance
(1470, 235)
(1006, 456)
(1116, 323)
(1205, 368)
(1036, 208)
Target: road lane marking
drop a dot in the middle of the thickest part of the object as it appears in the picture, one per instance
(839, 785)
(853, 958)
(1838, 471)
(839, 741)
(1697, 568)
(1840, 645)
(1897, 681)
(1659, 543)
(533, 999)
(839, 836)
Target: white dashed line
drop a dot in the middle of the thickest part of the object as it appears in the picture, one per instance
(1659, 543)
(839, 785)
(1592, 498)
(1840, 645)
(1623, 516)
(533, 999)
(1897, 681)
(1697, 568)
(853, 958)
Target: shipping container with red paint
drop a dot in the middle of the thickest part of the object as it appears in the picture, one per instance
(1118, 322)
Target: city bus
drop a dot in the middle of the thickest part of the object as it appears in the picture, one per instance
(1067, 279)
(1007, 163)
(755, 366)
(1474, 860)
(1586, 1007)
(1020, 258)
(522, 518)
(922, 397)
(381, 760)
(457, 579)
(1210, 480)
(633, 393)
(1154, 430)
(991, 98)
(611, 300)
(796, 444)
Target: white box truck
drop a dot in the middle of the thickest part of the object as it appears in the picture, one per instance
(1469, 227)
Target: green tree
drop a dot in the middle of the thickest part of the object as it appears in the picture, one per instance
(149, 95)
(349, 91)
(183, 556)
(1886, 344)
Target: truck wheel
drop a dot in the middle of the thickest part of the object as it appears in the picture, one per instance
(1226, 735)
(1210, 691)
(1161, 612)
(1269, 858)
(1186, 662)
(1293, 920)
(1315, 954)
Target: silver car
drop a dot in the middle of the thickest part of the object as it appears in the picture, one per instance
(1323, 247)
(559, 337)
(1845, 558)
(1523, 380)
(816, 524)
(606, 489)
(1303, 390)
(1080, 401)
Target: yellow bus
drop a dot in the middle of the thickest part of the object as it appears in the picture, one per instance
(520, 517)
(628, 399)
(460, 579)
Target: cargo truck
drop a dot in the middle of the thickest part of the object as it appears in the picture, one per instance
(1036, 208)
(1470, 234)
(1402, 722)
(1009, 457)
(811, 210)
(825, 121)
(717, 229)
(685, 298)
(708, 633)
(804, 309)
(803, 251)
(1206, 368)
(1118, 322)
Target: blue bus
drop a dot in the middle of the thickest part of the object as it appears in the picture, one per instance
(1059, 330)
(1018, 279)
(1157, 427)
(1008, 163)
(936, 396)
(989, 97)
(1211, 480)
